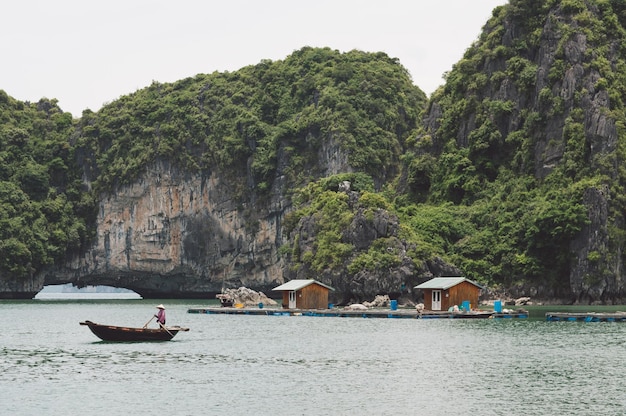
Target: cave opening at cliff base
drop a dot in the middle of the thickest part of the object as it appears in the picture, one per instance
(88, 292)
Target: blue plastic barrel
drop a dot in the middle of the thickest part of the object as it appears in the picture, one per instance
(260, 305)
(497, 306)
(394, 305)
(466, 305)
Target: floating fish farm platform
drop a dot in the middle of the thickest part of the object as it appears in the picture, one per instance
(586, 317)
(369, 313)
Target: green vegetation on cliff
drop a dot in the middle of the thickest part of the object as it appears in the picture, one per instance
(497, 178)
(43, 210)
(285, 109)
(528, 121)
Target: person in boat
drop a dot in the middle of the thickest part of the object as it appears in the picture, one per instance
(160, 315)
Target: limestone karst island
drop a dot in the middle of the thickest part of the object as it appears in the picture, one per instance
(337, 167)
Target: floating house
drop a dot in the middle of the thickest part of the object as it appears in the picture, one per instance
(441, 293)
(304, 294)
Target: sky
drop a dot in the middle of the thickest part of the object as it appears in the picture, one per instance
(86, 53)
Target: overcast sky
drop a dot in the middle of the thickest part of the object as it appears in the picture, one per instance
(88, 52)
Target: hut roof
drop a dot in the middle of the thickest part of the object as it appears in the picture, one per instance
(445, 283)
(298, 284)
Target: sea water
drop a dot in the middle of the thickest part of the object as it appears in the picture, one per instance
(284, 365)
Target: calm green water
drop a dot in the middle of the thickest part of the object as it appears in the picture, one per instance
(260, 365)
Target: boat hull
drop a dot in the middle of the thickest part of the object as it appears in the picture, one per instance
(127, 334)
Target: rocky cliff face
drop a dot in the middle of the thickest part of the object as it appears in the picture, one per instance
(577, 88)
(557, 83)
(173, 234)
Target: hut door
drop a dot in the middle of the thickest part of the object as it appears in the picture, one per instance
(292, 299)
(436, 300)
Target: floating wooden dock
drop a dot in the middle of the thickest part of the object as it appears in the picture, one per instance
(586, 317)
(369, 313)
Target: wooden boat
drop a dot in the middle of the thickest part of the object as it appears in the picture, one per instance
(126, 334)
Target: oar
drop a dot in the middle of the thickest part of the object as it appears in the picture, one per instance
(163, 326)
(149, 321)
